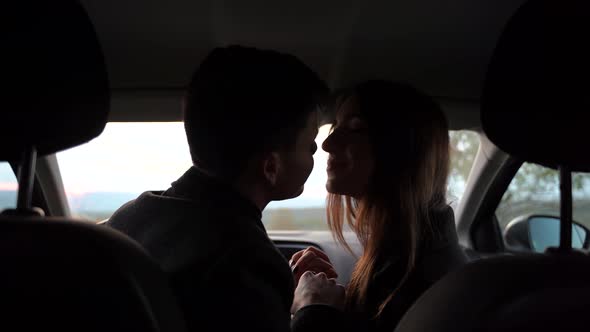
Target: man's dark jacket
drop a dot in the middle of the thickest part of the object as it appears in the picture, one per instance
(226, 272)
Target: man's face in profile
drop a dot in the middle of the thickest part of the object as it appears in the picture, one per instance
(297, 162)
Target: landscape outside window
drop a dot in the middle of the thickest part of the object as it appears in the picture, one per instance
(130, 158)
(8, 186)
(535, 190)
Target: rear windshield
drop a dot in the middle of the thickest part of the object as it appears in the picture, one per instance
(130, 158)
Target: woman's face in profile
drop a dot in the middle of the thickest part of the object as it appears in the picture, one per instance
(351, 161)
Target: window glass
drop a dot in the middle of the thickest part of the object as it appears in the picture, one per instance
(464, 147)
(535, 190)
(8, 187)
(130, 158)
(124, 161)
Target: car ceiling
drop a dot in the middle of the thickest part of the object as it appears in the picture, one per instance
(440, 46)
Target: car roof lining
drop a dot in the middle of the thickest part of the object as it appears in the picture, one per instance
(441, 47)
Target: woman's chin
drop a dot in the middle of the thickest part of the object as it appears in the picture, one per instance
(335, 187)
(342, 188)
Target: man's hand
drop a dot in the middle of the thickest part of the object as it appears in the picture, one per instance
(318, 289)
(311, 259)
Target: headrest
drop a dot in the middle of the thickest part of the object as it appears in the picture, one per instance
(503, 292)
(55, 72)
(536, 96)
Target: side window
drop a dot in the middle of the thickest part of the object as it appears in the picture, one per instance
(125, 160)
(535, 190)
(8, 186)
(464, 147)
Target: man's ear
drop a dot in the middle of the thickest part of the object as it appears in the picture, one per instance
(271, 168)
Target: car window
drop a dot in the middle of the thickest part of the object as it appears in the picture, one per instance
(464, 148)
(8, 187)
(535, 190)
(124, 161)
(130, 158)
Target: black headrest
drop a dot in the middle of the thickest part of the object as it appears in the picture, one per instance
(64, 275)
(55, 72)
(536, 96)
(534, 292)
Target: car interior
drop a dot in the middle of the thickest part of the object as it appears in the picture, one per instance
(94, 117)
(536, 290)
(61, 273)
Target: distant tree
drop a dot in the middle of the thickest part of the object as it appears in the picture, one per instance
(464, 147)
(535, 182)
(530, 182)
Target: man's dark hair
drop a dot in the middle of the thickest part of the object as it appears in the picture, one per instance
(243, 101)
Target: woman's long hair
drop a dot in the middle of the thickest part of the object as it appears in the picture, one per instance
(410, 144)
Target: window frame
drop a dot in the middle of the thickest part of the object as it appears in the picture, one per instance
(38, 198)
(485, 232)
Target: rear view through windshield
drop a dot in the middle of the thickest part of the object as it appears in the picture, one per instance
(130, 158)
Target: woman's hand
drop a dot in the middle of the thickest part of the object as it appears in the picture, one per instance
(311, 259)
(318, 289)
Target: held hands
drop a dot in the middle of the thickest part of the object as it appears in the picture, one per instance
(318, 289)
(315, 279)
(311, 259)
